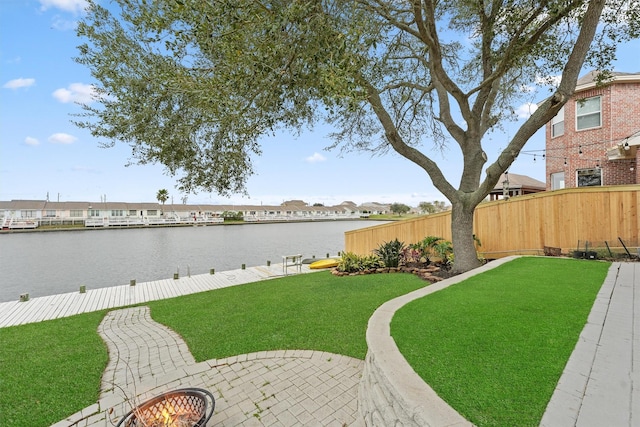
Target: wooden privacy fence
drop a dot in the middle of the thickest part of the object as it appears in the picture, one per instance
(526, 224)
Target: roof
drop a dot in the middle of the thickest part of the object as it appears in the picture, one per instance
(588, 80)
(295, 203)
(520, 181)
(25, 204)
(67, 205)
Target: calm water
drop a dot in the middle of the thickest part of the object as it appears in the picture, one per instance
(50, 263)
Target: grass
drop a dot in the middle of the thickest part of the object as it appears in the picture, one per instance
(495, 345)
(52, 369)
(392, 217)
(312, 311)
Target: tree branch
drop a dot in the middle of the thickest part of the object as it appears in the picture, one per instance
(410, 153)
(550, 107)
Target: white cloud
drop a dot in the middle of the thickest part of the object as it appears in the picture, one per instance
(553, 81)
(31, 141)
(62, 24)
(62, 138)
(76, 92)
(316, 157)
(18, 83)
(525, 110)
(74, 6)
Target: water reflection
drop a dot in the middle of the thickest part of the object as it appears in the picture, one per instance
(47, 263)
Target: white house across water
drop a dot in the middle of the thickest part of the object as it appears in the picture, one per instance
(24, 214)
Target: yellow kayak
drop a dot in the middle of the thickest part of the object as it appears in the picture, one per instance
(325, 263)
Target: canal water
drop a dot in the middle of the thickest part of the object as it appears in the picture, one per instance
(48, 263)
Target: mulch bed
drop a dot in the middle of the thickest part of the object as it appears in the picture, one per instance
(432, 273)
(436, 272)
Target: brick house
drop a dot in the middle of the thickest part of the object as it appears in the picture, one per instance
(594, 139)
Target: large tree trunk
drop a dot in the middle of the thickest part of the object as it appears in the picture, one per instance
(464, 249)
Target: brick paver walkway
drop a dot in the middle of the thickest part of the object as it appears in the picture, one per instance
(272, 388)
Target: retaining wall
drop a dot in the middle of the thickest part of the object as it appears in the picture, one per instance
(391, 393)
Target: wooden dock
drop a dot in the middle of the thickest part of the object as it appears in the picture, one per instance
(63, 305)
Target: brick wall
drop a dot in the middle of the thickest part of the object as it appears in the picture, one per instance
(586, 149)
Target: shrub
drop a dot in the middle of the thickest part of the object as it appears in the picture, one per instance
(389, 252)
(353, 263)
(444, 250)
(232, 216)
(425, 249)
(410, 256)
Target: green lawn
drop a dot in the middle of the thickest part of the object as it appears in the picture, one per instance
(463, 334)
(52, 369)
(316, 311)
(495, 345)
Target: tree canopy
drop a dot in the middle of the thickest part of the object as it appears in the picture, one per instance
(432, 207)
(193, 85)
(399, 208)
(162, 195)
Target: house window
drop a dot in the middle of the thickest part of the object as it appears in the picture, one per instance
(28, 214)
(75, 213)
(50, 214)
(152, 212)
(557, 124)
(557, 180)
(94, 213)
(589, 177)
(117, 213)
(133, 212)
(588, 113)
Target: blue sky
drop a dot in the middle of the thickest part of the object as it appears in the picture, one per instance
(42, 152)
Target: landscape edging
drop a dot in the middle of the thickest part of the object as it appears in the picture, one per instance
(391, 392)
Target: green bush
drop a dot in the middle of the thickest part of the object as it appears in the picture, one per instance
(424, 250)
(352, 263)
(390, 252)
(232, 216)
(444, 250)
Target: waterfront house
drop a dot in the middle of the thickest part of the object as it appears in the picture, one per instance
(102, 214)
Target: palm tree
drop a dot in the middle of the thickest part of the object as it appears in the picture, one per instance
(162, 196)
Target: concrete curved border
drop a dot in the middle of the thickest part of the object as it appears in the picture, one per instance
(390, 391)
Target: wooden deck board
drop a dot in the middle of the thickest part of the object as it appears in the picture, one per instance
(7, 312)
(56, 305)
(38, 309)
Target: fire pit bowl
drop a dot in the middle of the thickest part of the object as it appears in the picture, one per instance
(187, 407)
